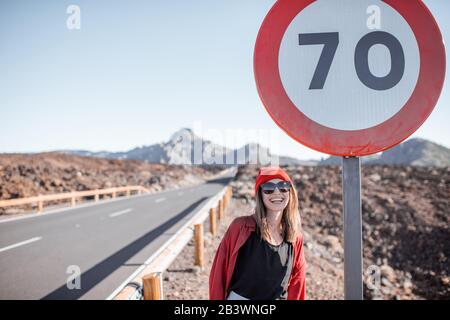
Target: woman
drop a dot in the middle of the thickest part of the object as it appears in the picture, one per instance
(261, 256)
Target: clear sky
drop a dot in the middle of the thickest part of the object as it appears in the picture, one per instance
(137, 71)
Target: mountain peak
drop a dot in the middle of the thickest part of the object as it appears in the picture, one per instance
(182, 135)
(419, 152)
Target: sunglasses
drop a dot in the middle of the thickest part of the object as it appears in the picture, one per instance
(269, 187)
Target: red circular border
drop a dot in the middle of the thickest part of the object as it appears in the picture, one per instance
(357, 142)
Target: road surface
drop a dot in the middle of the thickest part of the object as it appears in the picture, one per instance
(107, 242)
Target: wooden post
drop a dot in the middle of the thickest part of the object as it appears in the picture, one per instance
(225, 199)
(40, 204)
(152, 287)
(212, 221)
(128, 192)
(220, 210)
(199, 261)
(96, 196)
(224, 203)
(113, 194)
(73, 201)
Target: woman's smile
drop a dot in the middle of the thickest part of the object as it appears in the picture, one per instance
(278, 199)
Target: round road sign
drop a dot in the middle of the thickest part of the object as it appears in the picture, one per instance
(349, 77)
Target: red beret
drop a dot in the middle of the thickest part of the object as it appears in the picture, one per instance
(268, 173)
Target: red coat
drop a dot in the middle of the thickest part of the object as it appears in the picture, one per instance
(226, 255)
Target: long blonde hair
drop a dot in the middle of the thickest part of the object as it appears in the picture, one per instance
(290, 221)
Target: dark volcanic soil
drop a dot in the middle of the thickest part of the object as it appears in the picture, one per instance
(406, 213)
(26, 175)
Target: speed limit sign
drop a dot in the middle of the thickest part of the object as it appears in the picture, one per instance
(349, 77)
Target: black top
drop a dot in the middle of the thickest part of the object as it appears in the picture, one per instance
(262, 270)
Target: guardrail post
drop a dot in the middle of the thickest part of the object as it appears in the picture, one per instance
(128, 192)
(113, 195)
(73, 201)
(152, 286)
(96, 196)
(225, 199)
(199, 261)
(40, 204)
(212, 221)
(220, 210)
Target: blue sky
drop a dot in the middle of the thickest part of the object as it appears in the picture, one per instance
(137, 71)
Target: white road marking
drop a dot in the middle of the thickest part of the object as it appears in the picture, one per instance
(20, 244)
(160, 200)
(118, 213)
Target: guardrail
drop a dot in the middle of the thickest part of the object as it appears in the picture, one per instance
(145, 283)
(73, 196)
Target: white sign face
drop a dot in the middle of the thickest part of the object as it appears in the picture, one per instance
(340, 71)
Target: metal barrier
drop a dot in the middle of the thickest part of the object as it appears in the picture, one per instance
(73, 196)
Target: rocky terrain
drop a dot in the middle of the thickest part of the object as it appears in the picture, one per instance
(406, 236)
(26, 175)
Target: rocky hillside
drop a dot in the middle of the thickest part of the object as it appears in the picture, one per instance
(406, 236)
(413, 152)
(417, 152)
(25, 175)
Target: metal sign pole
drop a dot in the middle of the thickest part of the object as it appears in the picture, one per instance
(351, 183)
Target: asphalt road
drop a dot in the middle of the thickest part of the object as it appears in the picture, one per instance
(107, 242)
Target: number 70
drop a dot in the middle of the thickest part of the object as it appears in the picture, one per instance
(330, 40)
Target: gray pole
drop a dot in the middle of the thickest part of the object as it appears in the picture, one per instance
(351, 185)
